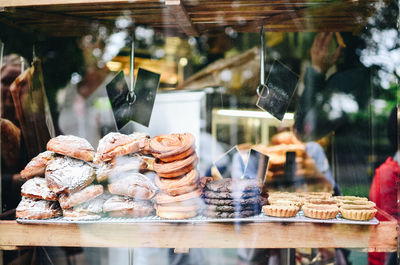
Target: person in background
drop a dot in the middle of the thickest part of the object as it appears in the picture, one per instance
(384, 186)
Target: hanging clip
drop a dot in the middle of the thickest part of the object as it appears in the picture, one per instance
(131, 97)
(262, 85)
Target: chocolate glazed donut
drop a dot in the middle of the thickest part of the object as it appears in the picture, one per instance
(176, 168)
(171, 147)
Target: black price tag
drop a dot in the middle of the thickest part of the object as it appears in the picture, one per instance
(278, 90)
(257, 165)
(230, 164)
(290, 166)
(139, 107)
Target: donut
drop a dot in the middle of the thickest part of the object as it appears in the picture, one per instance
(188, 179)
(165, 168)
(169, 145)
(162, 198)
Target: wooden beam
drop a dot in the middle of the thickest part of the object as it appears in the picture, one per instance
(380, 237)
(16, 3)
(178, 11)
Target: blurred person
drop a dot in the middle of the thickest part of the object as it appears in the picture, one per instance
(384, 186)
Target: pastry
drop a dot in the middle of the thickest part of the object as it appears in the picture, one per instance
(68, 175)
(37, 209)
(72, 146)
(363, 212)
(180, 185)
(37, 166)
(317, 211)
(177, 173)
(177, 208)
(230, 202)
(69, 200)
(119, 206)
(279, 210)
(162, 198)
(242, 214)
(119, 165)
(176, 215)
(172, 167)
(36, 188)
(172, 147)
(76, 215)
(134, 185)
(229, 185)
(116, 144)
(236, 208)
(230, 195)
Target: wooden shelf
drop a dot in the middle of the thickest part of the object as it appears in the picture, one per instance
(186, 17)
(380, 237)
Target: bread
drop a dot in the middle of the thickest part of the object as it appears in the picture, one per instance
(116, 144)
(72, 146)
(37, 166)
(69, 200)
(176, 215)
(68, 175)
(37, 209)
(36, 188)
(134, 185)
(120, 165)
(119, 206)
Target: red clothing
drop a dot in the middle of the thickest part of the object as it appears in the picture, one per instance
(384, 193)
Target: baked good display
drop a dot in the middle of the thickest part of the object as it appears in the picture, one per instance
(67, 175)
(134, 185)
(36, 188)
(116, 144)
(37, 209)
(120, 206)
(69, 200)
(72, 146)
(228, 198)
(37, 166)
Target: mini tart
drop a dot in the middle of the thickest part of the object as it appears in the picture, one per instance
(358, 214)
(286, 201)
(357, 204)
(322, 201)
(320, 211)
(350, 198)
(318, 195)
(280, 210)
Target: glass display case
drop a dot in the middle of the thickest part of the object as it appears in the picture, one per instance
(199, 132)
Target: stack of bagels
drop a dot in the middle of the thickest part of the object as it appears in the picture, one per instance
(177, 177)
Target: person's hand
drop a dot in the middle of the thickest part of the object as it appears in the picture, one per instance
(321, 59)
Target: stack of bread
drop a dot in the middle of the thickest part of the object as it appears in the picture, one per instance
(319, 205)
(177, 177)
(304, 169)
(232, 198)
(120, 159)
(68, 178)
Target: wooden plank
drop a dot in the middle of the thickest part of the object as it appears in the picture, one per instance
(178, 11)
(380, 237)
(15, 3)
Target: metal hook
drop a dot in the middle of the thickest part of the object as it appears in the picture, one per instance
(262, 85)
(132, 95)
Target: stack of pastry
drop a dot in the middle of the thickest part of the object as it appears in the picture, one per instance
(71, 174)
(120, 161)
(231, 198)
(177, 177)
(356, 208)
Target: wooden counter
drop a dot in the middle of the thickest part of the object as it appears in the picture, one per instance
(382, 237)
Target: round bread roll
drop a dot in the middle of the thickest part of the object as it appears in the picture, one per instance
(36, 188)
(72, 199)
(37, 166)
